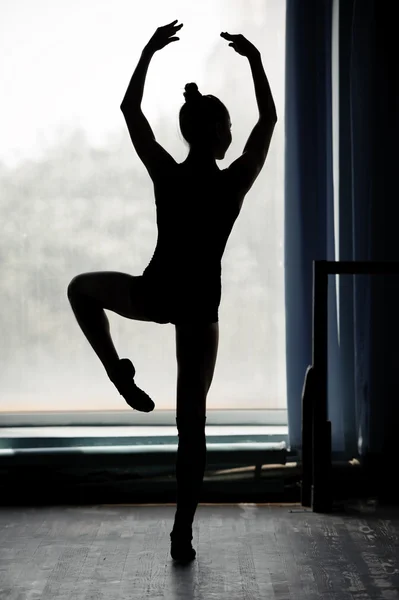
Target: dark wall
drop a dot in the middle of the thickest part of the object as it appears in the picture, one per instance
(385, 230)
(369, 106)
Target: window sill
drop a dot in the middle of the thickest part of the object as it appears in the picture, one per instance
(117, 418)
(156, 444)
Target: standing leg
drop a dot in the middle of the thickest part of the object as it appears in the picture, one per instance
(196, 352)
(190, 469)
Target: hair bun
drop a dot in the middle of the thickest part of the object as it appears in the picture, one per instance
(192, 92)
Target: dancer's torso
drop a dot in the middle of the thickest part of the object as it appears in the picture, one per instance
(195, 216)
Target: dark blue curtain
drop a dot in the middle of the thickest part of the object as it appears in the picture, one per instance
(308, 182)
(363, 323)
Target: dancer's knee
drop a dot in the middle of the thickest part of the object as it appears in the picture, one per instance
(191, 423)
(191, 410)
(191, 395)
(73, 287)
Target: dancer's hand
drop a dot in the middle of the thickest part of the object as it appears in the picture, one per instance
(240, 44)
(162, 36)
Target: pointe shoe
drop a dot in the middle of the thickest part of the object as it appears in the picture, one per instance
(122, 378)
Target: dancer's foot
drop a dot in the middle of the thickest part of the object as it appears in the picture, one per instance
(181, 548)
(122, 378)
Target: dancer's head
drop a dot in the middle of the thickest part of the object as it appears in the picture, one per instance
(205, 123)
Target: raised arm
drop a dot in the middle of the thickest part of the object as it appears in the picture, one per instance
(155, 158)
(247, 167)
(161, 38)
(264, 98)
(134, 94)
(258, 143)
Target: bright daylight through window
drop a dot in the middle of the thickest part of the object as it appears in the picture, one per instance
(76, 197)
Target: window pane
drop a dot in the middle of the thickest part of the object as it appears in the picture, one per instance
(76, 198)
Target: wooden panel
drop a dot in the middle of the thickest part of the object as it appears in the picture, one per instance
(246, 552)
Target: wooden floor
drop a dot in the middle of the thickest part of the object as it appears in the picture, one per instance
(249, 552)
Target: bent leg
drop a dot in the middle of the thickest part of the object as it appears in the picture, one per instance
(196, 353)
(128, 296)
(121, 293)
(89, 294)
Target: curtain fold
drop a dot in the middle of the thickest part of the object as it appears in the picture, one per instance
(360, 153)
(308, 183)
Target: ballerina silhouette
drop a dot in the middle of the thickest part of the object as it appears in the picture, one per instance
(197, 205)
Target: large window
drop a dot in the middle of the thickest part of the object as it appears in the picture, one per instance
(76, 198)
